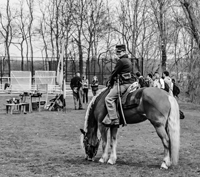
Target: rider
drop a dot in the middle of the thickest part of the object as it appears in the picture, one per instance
(123, 68)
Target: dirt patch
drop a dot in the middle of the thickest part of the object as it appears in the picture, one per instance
(47, 144)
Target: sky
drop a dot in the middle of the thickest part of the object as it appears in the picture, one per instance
(14, 3)
(13, 49)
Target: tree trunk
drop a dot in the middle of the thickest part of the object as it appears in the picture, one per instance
(22, 56)
(27, 59)
(8, 35)
(80, 56)
(162, 35)
(193, 23)
(30, 5)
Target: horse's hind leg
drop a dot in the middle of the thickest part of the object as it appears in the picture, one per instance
(103, 131)
(161, 131)
(113, 145)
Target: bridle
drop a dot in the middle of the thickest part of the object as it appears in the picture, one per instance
(89, 146)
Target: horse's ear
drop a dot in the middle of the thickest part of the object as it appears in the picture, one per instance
(82, 131)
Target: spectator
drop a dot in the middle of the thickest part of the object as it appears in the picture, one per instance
(7, 85)
(150, 80)
(85, 89)
(158, 81)
(176, 90)
(95, 85)
(76, 86)
(141, 80)
(168, 81)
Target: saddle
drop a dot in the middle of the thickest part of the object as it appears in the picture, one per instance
(131, 98)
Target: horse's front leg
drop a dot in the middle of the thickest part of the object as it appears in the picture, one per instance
(103, 131)
(113, 145)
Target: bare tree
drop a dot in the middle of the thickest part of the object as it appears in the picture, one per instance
(50, 23)
(78, 21)
(159, 8)
(128, 19)
(6, 32)
(30, 4)
(94, 31)
(21, 32)
(193, 21)
(43, 32)
(136, 29)
(57, 19)
(192, 13)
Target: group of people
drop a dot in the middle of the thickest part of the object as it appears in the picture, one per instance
(80, 87)
(165, 82)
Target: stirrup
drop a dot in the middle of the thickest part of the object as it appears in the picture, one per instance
(106, 121)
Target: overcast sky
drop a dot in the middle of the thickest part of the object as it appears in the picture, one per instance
(14, 3)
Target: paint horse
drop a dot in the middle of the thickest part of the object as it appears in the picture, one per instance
(155, 105)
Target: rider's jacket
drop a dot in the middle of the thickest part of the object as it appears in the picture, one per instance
(123, 68)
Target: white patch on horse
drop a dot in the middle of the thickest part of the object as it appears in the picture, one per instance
(81, 139)
(89, 107)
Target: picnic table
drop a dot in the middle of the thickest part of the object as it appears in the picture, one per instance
(15, 104)
(31, 96)
(25, 102)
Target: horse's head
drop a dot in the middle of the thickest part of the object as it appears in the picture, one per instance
(91, 144)
(90, 141)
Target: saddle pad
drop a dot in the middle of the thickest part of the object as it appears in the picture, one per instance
(134, 86)
(132, 99)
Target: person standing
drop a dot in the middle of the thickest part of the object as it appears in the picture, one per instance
(168, 81)
(150, 80)
(95, 85)
(85, 89)
(158, 81)
(76, 86)
(176, 90)
(141, 80)
(123, 69)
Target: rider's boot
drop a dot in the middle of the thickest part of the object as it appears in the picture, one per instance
(109, 122)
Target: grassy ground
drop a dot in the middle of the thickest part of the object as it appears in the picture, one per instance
(47, 144)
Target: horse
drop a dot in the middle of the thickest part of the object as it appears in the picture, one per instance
(155, 105)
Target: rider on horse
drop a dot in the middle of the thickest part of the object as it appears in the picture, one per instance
(123, 68)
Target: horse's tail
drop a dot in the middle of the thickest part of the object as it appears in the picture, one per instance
(173, 129)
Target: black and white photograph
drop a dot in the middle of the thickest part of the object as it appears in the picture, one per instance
(99, 88)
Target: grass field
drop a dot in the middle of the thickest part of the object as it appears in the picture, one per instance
(47, 144)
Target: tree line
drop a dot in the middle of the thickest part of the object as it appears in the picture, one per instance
(164, 33)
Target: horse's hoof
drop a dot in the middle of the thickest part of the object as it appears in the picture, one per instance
(90, 159)
(111, 162)
(101, 160)
(164, 166)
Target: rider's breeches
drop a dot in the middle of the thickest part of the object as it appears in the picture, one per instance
(111, 99)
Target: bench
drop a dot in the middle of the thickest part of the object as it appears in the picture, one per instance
(21, 107)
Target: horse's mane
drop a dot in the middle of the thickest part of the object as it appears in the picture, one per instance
(89, 116)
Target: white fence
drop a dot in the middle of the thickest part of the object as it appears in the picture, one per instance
(20, 81)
